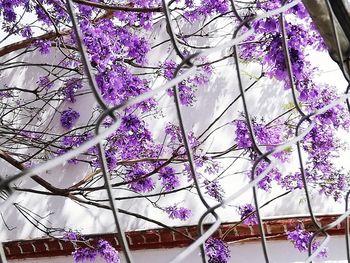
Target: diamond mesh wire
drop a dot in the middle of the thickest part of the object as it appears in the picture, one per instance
(189, 67)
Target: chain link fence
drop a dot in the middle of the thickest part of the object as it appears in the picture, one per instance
(187, 67)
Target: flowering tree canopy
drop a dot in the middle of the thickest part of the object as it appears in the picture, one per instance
(97, 63)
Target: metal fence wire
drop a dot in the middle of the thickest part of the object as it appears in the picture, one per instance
(188, 66)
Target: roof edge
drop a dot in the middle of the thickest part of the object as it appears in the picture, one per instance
(161, 238)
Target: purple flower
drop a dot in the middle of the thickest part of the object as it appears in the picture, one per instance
(117, 84)
(69, 118)
(41, 14)
(265, 182)
(9, 14)
(301, 239)
(26, 32)
(291, 181)
(144, 20)
(107, 252)
(111, 159)
(71, 236)
(85, 10)
(138, 48)
(141, 182)
(76, 140)
(5, 94)
(84, 254)
(186, 88)
(169, 67)
(44, 46)
(70, 88)
(214, 190)
(102, 248)
(217, 251)
(242, 134)
(300, 11)
(168, 178)
(175, 212)
(205, 8)
(174, 132)
(186, 93)
(247, 213)
(45, 82)
(212, 167)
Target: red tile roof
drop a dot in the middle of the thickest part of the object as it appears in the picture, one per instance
(165, 238)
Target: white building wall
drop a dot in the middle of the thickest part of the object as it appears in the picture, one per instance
(265, 101)
(213, 100)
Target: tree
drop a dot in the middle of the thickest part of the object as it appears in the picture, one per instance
(332, 19)
(105, 51)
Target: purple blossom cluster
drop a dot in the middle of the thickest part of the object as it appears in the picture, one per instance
(273, 175)
(70, 88)
(174, 132)
(69, 118)
(44, 46)
(102, 249)
(175, 135)
(337, 184)
(45, 82)
(247, 213)
(243, 139)
(5, 94)
(176, 212)
(131, 140)
(265, 135)
(269, 45)
(301, 240)
(214, 189)
(139, 19)
(107, 252)
(7, 9)
(292, 181)
(321, 144)
(212, 167)
(205, 8)
(89, 253)
(27, 32)
(298, 10)
(73, 141)
(139, 179)
(108, 43)
(187, 87)
(84, 255)
(217, 251)
(86, 11)
(117, 84)
(71, 236)
(169, 179)
(76, 140)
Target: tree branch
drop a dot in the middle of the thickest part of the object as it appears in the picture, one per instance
(120, 7)
(26, 43)
(5, 156)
